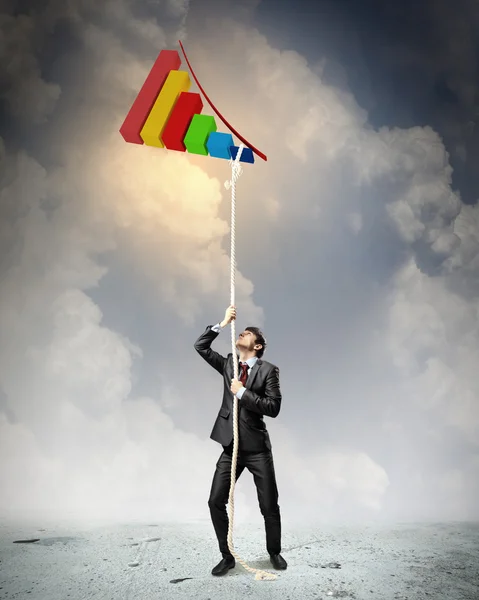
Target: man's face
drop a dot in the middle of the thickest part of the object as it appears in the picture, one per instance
(246, 341)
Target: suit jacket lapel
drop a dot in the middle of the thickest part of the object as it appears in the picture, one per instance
(253, 373)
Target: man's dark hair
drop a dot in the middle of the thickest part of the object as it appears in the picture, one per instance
(260, 339)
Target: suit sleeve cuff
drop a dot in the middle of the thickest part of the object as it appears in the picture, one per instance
(240, 393)
(216, 328)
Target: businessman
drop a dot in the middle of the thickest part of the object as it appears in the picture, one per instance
(258, 393)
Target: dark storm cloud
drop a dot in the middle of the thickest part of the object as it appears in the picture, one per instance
(39, 42)
(408, 63)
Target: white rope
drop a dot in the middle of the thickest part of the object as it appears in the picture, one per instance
(236, 171)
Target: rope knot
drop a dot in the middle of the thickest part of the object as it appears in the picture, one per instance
(236, 169)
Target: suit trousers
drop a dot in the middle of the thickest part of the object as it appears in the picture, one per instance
(261, 466)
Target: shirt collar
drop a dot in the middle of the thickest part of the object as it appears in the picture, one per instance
(251, 361)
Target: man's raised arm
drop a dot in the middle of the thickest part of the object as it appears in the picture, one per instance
(203, 343)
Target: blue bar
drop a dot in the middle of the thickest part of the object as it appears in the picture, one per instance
(247, 155)
(219, 144)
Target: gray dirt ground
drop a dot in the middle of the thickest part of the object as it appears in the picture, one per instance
(437, 561)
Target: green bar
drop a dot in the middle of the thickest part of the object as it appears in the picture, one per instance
(198, 132)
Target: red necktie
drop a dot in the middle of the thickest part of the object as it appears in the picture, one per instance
(243, 376)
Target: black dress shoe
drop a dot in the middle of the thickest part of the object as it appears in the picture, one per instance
(278, 562)
(224, 566)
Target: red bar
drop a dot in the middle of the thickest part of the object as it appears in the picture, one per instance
(186, 107)
(130, 130)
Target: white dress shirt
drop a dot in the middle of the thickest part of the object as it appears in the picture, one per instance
(250, 362)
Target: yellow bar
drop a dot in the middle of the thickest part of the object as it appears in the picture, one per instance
(176, 82)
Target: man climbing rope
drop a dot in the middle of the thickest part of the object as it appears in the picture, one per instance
(258, 393)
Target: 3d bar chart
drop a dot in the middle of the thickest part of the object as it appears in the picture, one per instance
(165, 114)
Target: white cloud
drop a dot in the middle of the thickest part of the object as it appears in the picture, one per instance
(434, 338)
(79, 444)
(355, 222)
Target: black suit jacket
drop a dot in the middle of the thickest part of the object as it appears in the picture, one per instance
(261, 397)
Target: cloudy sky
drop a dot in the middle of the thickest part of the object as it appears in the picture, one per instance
(357, 252)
